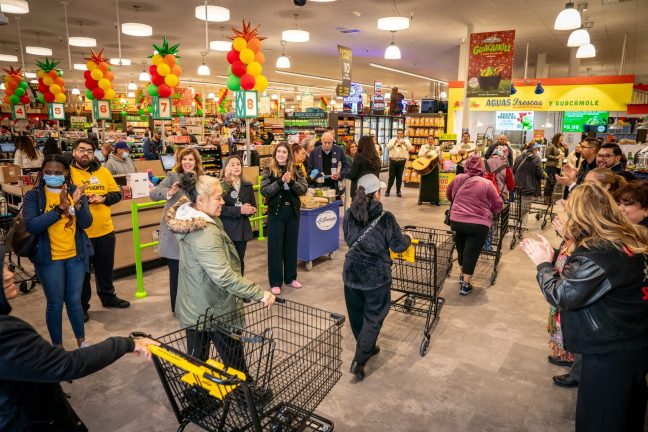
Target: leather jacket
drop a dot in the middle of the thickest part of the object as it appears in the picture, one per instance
(603, 299)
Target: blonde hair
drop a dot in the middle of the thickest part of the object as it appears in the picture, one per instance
(200, 186)
(186, 152)
(607, 177)
(290, 164)
(594, 220)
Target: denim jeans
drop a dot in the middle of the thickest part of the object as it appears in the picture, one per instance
(62, 282)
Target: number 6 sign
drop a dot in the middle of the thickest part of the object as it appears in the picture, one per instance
(18, 112)
(56, 111)
(162, 108)
(101, 109)
(246, 104)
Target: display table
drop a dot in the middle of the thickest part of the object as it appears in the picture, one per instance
(319, 232)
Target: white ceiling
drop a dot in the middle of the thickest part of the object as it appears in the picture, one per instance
(430, 46)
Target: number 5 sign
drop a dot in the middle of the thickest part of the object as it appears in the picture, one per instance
(246, 104)
(56, 111)
(101, 109)
(162, 108)
(18, 112)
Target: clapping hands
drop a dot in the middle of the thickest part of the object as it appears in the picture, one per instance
(539, 251)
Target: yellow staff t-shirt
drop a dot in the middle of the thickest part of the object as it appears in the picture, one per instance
(99, 182)
(62, 237)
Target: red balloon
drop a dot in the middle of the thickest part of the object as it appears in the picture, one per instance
(97, 93)
(157, 79)
(233, 56)
(247, 82)
(238, 68)
(24, 99)
(91, 84)
(164, 90)
(86, 75)
(153, 71)
(42, 88)
(49, 97)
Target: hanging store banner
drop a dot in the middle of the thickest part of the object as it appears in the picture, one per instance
(490, 64)
(345, 54)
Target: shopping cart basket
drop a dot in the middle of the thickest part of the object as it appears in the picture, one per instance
(542, 206)
(25, 280)
(256, 369)
(518, 212)
(492, 250)
(419, 273)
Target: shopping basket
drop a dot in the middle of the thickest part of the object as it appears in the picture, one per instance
(418, 275)
(256, 369)
(492, 250)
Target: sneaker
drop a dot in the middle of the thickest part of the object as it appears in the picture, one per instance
(460, 280)
(84, 344)
(399, 195)
(466, 288)
(117, 303)
(296, 284)
(276, 290)
(387, 194)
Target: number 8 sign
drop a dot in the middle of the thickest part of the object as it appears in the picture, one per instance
(246, 104)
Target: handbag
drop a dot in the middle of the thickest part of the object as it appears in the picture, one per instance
(21, 241)
(446, 220)
(366, 231)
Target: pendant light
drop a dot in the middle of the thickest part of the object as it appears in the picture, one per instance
(76, 91)
(297, 35)
(211, 95)
(135, 28)
(82, 41)
(130, 94)
(580, 37)
(80, 66)
(586, 51)
(283, 62)
(393, 23)
(35, 50)
(8, 58)
(568, 19)
(392, 52)
(132, 85)
(144, 75)
(212, 13)
(222, 44)
(14, 6)
(203, 69)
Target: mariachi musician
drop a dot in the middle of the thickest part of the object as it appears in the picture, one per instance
(427, 165)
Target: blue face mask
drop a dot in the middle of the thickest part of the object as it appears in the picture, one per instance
(54, 181)
(125, 154)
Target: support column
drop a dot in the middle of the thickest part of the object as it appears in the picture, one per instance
(574, 63)
(541, 66)
(463, 75)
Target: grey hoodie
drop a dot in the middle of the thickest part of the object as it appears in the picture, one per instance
(118, 166)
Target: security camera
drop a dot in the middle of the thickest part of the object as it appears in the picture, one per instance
(299, 2)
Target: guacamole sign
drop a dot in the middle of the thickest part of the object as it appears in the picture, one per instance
(490, 64)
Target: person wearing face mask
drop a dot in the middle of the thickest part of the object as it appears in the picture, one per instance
(103, 192)
(56, 212)
(282, 185)
(210, 269)
(188, 161)
(240, 205)
(119, 162)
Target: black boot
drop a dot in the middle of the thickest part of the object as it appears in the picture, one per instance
(357, 370)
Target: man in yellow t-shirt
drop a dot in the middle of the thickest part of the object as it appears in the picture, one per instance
(102, 192)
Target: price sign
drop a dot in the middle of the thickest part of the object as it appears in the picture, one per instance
(246, 104)
(101, 110)
(448, 137)
(56, 111)
(162, 108)
(18, 112)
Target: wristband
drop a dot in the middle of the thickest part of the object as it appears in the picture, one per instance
(59, 210)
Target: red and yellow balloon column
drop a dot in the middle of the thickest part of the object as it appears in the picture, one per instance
(99, 77)
(245, 59)
(51, 87)
(165, 71)
(16, 88)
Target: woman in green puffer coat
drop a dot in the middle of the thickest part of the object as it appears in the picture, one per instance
(210, 270)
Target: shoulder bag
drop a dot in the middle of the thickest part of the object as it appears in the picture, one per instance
(366, 231)
(21, 241)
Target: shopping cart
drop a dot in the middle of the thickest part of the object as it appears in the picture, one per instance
(518, 212)
(419, 273)
(256, 369)
(492, 250)
(25, 280)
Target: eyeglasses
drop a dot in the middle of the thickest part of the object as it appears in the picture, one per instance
(82, 150)
(604, 156)
(51, 173)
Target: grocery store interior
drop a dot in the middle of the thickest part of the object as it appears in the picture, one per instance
(240, 78)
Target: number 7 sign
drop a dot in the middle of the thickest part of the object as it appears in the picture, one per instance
(56, 111)
(18, 112)
(162, 108)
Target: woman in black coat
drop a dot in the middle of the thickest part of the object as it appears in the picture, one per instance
(31, 369)
(366, 161)
(369, 232)
(240, 205)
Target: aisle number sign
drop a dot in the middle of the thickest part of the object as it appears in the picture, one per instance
(162, 108)
(18, 112)
(246, 104)
(101, 110)
(56, 111)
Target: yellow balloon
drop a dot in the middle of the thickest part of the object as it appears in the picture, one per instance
(171, 80)
(254, 68)
(247, 56)
(96, 74)
(239, 44)
(163, 69)
(61, 98)
(48, 81)
(104, 84)
(109, 94)
(261, 83)
(90, 65)
(41, 73)
(55, 89)
(157, 59)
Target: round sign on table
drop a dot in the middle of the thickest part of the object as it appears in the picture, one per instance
(326, 220)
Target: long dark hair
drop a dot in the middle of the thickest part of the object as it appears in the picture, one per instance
(360, 205)
(26, 145)
(367, 148)
(556, 139)
(52, 147)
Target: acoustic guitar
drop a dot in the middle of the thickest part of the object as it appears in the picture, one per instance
(425, 164)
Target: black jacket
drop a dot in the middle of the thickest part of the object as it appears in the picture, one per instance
(627, 175)
(272, 188)
(237, 226)
(602, 308)
(30, 372)
(527, 171)
(368, 265)
(360, 167)
(585, 167)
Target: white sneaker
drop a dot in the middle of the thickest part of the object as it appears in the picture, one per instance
(84, 344)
